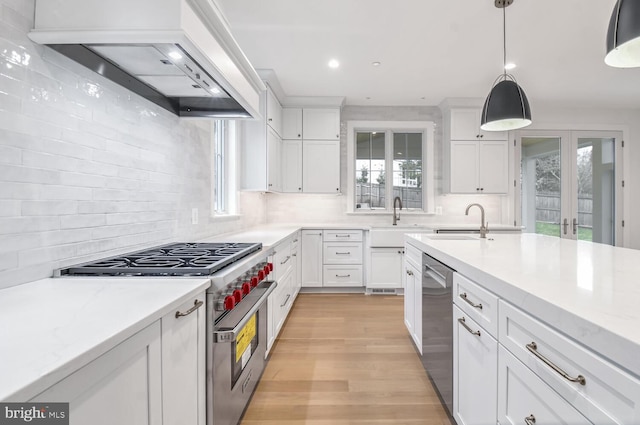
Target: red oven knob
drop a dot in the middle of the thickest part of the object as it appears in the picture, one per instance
(261, 275)
(237, 295)
(229, 302)
(266, 270)
(254, 281)
(246, 288)
(270, 266)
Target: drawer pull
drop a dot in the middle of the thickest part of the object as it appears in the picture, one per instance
(343, 253)
(343, 236)
(530, 420)
(285, 260)
(533, 348)
(464, 325)
(343, 275)
(286, 301)
(471, 303)
(196, 305)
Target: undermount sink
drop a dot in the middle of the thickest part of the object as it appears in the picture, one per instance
(393, 236)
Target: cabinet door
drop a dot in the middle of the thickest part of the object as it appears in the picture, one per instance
(409, 301)
(494, 172)
(465, 125)
(292, 123)
(475, 372)
(464, 167)
(321, 124)
(321, 166)
(386, 268)
(123, 386)
(183, 364)
(274, 113)
(417, 307)
(311, 250)
(274, 147)
(521, 394)
(291, 166)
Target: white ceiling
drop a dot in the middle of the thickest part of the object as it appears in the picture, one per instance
(431, 50)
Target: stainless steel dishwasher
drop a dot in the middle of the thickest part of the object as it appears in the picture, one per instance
(437, 326)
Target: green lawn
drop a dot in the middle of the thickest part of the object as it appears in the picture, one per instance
(550, 229)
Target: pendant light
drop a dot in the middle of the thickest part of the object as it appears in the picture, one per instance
(623, 36)
(506, 107)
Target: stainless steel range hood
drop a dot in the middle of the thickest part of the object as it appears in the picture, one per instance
(179, 54)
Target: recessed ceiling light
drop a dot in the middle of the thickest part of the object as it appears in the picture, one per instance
(509, 66)
(175, 55)
(333, 63)
(375, 63)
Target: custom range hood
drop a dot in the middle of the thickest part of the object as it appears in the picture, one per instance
(179, 54)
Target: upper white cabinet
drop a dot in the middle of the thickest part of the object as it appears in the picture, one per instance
(261, 147)
(292, 123)
(477, 161)
(321, 123)
(291, 166)
(321, 166)
(465, 125)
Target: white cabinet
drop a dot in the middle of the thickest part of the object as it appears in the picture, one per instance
(291, 165)
(475, 370)
(261, 148)
(524, 397)
(386, 268)
(184, 364)
(465, 125)
(311, 250)
(321, 166)
(321, 124)
(479, 166)
(342, 258)
(123, 386)
(292, 123)
(413, 294)
(475, 161)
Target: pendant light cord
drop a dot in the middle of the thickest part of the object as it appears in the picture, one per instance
(504, 40)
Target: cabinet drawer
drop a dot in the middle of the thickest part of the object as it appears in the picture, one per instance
(342, 276)
(413, 255)
(282, 260)
(342, 253)
(521, 394)
(608, 396)
(478, 303)
(342, 235)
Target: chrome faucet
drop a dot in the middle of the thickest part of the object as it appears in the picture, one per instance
(396, 200)
(484, 228)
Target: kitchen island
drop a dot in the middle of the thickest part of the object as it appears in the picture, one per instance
(581, 297)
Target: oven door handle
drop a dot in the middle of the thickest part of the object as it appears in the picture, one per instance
(229, 335)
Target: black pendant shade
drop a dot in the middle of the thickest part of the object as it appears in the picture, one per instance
(623, 36)
(506, 107)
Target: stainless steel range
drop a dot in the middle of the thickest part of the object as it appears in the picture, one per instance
(236, 310)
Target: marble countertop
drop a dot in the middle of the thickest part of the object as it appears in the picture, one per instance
(589, 291)
(52, 327)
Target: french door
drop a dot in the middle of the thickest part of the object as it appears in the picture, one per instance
(570, 184)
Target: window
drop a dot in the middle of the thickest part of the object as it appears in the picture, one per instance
(386, 161)
(223, 175)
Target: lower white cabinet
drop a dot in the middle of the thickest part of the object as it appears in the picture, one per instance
(342, 275)
(524, 399)
(184, 364)
(123, 386)
(311, 258)
(386, 268)
(413, 300)
(475, 367)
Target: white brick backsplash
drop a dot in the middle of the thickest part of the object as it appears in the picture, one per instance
(65, 192)
(9, 208)
(9, 155)
(13, 173)
(15, 225)
(82, 221)
(49, 207)
(8, 260)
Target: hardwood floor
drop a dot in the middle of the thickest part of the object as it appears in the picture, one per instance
(345, 359)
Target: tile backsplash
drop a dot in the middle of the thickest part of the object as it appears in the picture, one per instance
(88, 169)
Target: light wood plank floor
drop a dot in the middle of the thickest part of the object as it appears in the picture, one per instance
(345, 359)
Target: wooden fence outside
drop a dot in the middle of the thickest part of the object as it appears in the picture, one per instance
(548, 209)
(373, 196)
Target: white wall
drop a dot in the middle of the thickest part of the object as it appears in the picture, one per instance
(88, 169)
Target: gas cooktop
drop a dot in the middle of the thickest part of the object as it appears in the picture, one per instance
(176, 259)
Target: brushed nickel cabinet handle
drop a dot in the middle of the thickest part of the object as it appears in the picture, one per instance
(343, 275)
(196, 305)
(343, 236)
(471, 303)
(530, 420)
(533, 348)
(286, 301)
(343, 253)
(464, 325)
(286, 259)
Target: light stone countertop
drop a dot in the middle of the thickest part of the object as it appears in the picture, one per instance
(51, 327)
(589, 291)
